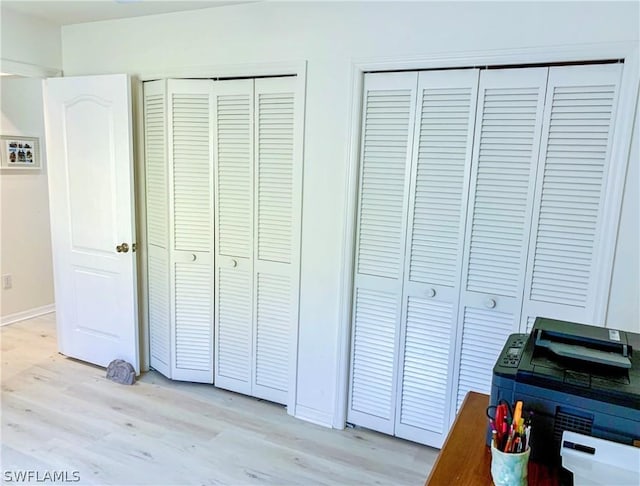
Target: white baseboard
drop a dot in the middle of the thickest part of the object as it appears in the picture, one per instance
(314, 416)
(28, 314)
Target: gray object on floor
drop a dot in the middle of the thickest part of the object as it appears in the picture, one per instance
(121, 372)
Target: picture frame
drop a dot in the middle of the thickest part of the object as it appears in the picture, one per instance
(20, 152)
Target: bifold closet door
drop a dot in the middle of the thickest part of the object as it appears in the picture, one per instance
(389, 105)
(479, 216)
(433, 263)
(190, 148)
(258, 202)
(563, 274)
(157, 206)
(505, 155)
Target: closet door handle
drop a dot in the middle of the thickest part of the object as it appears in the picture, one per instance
(234, 262)
(490, 303)
(431, 292)
(194, 257)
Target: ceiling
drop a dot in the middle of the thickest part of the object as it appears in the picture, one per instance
(79, 11)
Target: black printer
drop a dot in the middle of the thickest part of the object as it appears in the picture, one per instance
(572, 377)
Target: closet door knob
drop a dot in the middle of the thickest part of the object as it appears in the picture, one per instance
(431, 292)
(234, 262)
(194, 257)
(490, 303)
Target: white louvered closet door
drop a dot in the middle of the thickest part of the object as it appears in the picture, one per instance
(277, 226)
(155, 157)
(562, 274)
(233, 129)
(505, 154)
(389, 105)
(437, 206)
(191, 220)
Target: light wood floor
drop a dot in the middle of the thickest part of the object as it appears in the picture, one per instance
(61, 414)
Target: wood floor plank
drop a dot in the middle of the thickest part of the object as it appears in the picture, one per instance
(62, 414)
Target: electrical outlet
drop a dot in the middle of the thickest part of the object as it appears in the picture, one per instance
(7, 281)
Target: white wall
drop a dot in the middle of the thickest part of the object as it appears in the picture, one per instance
(624, 298)
(26, 242)
(30, 47)
(29, 41)
(330, 37)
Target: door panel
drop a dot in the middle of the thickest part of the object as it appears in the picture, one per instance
(504, 164)
(277, 224)
(562, 271)
(388, 119)
(190, 149)
(193, 320)
(159, 310)
(157, 205)
(274, 301)
(89, 151)
(233, 148)
(484, 333)
(433, 258)
(234, 326)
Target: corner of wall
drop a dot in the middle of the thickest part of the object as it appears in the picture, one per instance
(30, 46)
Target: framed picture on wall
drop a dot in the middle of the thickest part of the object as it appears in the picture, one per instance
(19, 152)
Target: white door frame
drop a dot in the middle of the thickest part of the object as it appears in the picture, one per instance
(27, 70)
(621, 144)
(297, 68)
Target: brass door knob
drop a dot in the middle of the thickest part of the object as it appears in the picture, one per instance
(124, 248)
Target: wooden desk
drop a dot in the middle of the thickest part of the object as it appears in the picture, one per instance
(465, 459)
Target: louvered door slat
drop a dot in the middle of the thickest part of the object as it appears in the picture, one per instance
(157, 217)
(193, 319)
(273, 330)
(439, 185)
(386, 131)
(574, 161)
(191, 144)
(234, 329)
(529, 323)
(426, 365)
(156, 163)
(274, 176)
(159, 310)
(503, 175)
(483, 335)
(234, 170)
(373, 353)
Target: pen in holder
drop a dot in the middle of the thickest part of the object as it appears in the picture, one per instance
(510, 434)
(508, 468)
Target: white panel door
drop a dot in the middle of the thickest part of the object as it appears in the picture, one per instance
(190, 150)
(233, 148)
(433, 262)
(276, 226)
(89, 151)
(157, 199)
(505, 154)
(389, 105)
(574, 162)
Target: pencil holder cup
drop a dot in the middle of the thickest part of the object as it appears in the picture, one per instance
(509, 469)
